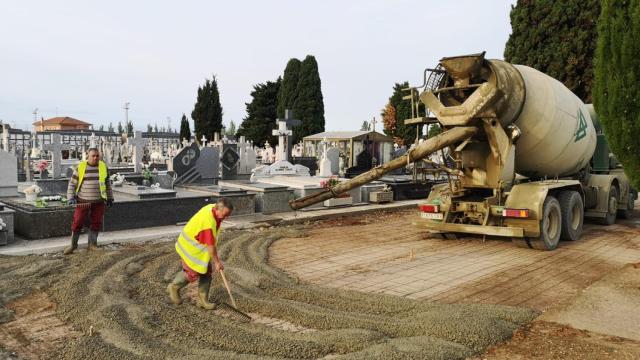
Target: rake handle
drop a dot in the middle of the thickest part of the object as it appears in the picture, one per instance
(226, 285)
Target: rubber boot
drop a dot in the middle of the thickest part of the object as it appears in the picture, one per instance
(204, 283)
(93, 240)
(75, 235)
(174, 287)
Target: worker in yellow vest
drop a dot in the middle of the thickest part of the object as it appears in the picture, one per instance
(196, 246)
(89, 187)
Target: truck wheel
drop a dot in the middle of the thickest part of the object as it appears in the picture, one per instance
(626, 212)
(550, 226)
(612, 208)
(572, 210)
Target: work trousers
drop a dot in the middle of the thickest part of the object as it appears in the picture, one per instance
(95, 211)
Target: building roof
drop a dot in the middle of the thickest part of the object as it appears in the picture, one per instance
(60, 120)
(346, 135)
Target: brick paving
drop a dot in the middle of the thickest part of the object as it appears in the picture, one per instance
(391, 256)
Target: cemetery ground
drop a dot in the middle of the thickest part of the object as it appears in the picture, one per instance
(363, 286)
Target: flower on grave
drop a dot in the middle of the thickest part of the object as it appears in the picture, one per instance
(117, 178)
(386, 188)
(40, 165)
(146, 174)
(33, 189)
(330, 182)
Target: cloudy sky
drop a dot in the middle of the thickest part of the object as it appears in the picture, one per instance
(85, 59)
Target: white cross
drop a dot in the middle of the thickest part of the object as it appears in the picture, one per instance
(373, 123)
(282, 133)
(204, 140)
(56, 148)
(138, 144)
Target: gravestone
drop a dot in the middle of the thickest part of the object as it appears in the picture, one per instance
(229, 160)
(93, 141)
(56, 148)
(250, 155)
(138, 144)
(363, 164)
(325, 164)
(9, 174)
(284, 132)
(185, 159)
(208, 163)
(5, 137)
(333, 154)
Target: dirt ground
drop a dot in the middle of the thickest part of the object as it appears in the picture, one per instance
(386, 291)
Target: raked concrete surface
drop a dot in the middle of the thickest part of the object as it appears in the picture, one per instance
(168, 233)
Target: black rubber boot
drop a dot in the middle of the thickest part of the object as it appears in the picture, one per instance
(74, 243)
(204, 283)
(174, 288)
(93, 240)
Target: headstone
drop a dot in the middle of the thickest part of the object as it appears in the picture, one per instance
(290, 123)
(203, 140)
(208, 164)
(185, 159)
(333, 154)
(5, 137)
(56, 148)
(325, 165)
(9, 174)
(282, 133)
(250, 155)
(229, 160)
(363, 164)
(138, 144)
(93, 141)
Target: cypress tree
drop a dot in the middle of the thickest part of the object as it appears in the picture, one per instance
(207, 111)
(185, 129)
(130, 128)
(231, 131)
(557, 38)
(288, 88)
(110, 128)
(309, 103)
(617, 88)
(261, 113)
(149, 128)
(120, 128)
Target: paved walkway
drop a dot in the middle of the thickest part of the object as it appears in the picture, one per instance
(51, 245)
(393, 257)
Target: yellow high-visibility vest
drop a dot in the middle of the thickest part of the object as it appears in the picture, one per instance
(193, 253)
(102, 177)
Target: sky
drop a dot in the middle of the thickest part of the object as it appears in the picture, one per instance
(85, 59)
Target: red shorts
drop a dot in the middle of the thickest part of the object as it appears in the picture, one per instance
(193, 275)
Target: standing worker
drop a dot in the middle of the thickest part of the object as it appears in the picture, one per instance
(89, 189)
(196, 246)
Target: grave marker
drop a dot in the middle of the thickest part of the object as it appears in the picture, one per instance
(138, 144)
(56, 148)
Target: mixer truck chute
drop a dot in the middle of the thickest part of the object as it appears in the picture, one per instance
(523, 166)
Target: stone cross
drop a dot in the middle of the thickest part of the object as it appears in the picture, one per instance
(56, 148)
(325, 164)
(93, 141)
(282, 133)
(138, 144)
(185, 142)
(204, 140)
(5, 137)
(291, 123)
(373, 124)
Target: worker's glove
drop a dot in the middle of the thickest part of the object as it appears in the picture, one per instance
(110, 203)
(72, 201)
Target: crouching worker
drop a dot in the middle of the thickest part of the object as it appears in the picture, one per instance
(196, 246)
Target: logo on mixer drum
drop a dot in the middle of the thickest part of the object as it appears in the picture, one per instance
(582, 126)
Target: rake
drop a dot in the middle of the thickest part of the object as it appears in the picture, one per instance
(232, 309)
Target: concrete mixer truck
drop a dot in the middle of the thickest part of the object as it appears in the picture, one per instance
(529, 158)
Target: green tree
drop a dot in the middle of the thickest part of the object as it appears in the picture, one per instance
(309, 103)
(261, 113)
(557, 38)
(288, 87)
(617, 89)
(365, 126)
(101, 128)
(130, 128)
(207, 111)
(149, 128)
(185, 129)
(395, 112)
(120, 128)
(155, 128)
(434, 129)
(110, 128)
